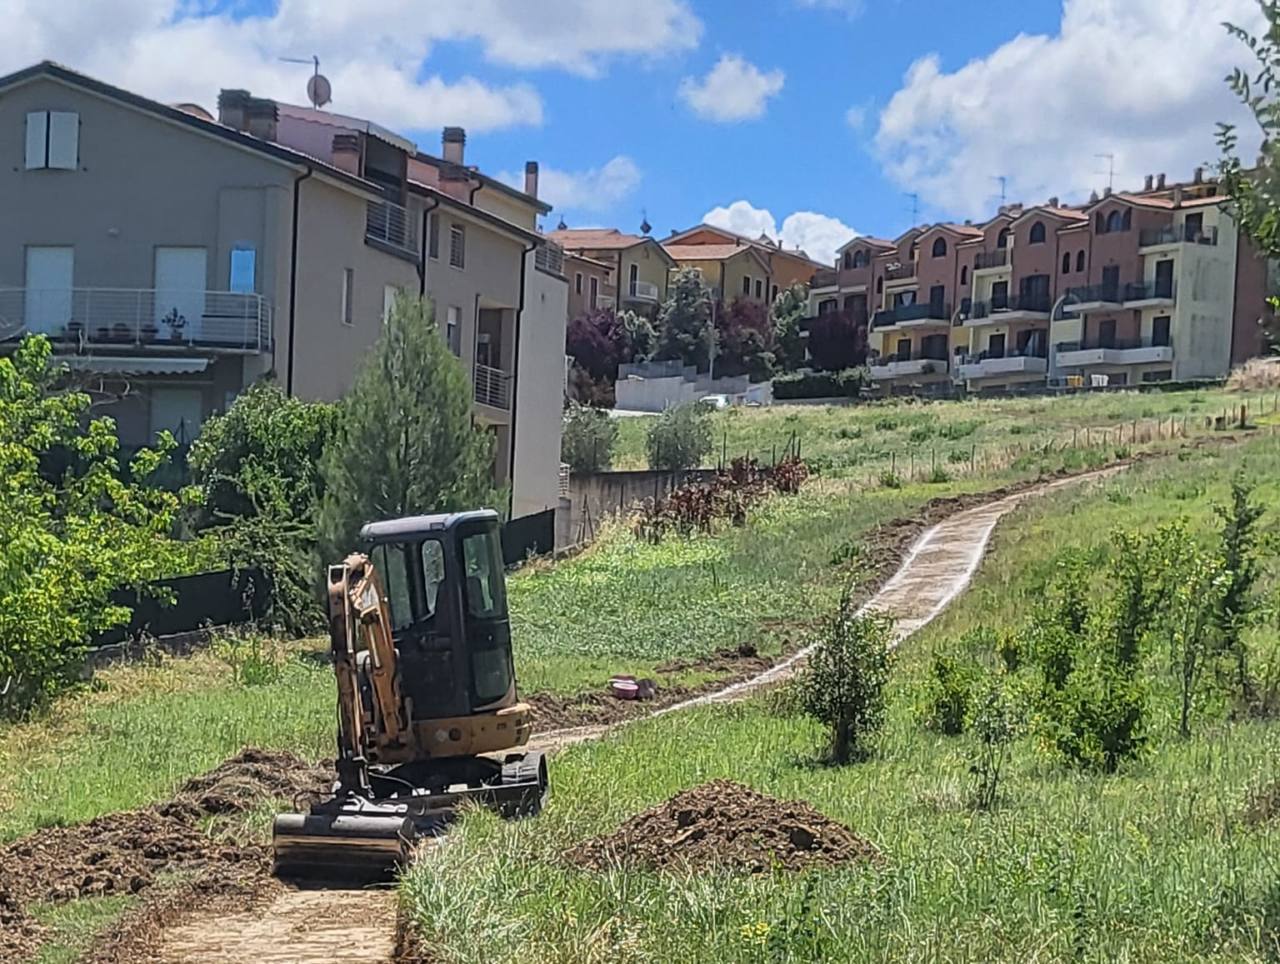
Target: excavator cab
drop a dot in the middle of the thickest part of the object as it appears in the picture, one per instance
(427, 705)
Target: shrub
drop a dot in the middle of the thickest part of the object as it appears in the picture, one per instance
(890, 480)
(945, 698)
(994, 719)
(848, 383)
(938, 475)
(252, 659)
(843, 684)
(680, 438)
(588, 439)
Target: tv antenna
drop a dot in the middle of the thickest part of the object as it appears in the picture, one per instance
(1111, 169)
(1004, 187)
(319, 90)
(915, 209)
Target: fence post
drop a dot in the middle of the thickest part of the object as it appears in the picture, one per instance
(973, 456)
(893, 463)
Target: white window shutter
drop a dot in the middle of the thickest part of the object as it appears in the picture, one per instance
(64, 140)
(37, 139)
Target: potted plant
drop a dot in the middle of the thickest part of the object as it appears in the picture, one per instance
(175, 322)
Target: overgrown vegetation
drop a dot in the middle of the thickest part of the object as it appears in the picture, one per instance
(588, 439)
(680, 438)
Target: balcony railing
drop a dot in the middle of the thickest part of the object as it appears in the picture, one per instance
(1035, 304)
(991, 259)
(139, 317)
(1150, 291)
(1119, 344)
(642, 291)
(1186, 234)
(493, 387)
(825, 278)
(549, 256)
(1090, 294)
(392, 224)
(924, 311)
(900, 272)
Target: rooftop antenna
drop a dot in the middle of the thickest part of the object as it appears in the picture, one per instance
(915, 209)
(1004, 187)
(319, 90)
(645, 226)
(1111, 169)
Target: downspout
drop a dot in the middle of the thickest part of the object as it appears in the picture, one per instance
(293, 279)
(426, 240)
(475, 189)
(515, 377)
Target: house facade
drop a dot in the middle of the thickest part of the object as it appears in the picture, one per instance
(591, 285)
(784, 267)
(731, 271)
(640, 266)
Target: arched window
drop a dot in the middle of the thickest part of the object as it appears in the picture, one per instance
(850, 261)
(1080, 261)
(1002, 239)
(1115, 221)
(1128, 218)
(964, 274)
(1066, 263)
(1037, 233)
(940, 248)
(1100, 224)
(860, 259)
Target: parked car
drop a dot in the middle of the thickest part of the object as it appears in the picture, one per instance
(714, 401)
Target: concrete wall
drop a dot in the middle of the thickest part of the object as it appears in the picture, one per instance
(540, 387)
(1204, 313)
(596, 497)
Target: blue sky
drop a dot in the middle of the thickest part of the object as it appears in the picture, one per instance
(811, 119)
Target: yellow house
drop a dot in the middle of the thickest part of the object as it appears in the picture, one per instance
(731, 270)
(641, 267)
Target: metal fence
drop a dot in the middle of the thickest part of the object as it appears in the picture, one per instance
(392, 224)
(493, 387)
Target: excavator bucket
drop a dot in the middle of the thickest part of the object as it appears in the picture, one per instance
(356, 848)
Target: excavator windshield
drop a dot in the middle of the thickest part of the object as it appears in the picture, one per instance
(412, 574)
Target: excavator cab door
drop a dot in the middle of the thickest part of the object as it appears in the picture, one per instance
(487, 626)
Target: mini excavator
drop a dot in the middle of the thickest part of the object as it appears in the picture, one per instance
(427, 704)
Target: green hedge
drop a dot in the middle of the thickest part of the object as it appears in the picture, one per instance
(844, 384)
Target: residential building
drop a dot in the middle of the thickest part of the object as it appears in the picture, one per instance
(591, 286)
(175, 259)
(640, 266)
(785, 267)
(732, 271)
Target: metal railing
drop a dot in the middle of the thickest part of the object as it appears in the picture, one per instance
(549, 256)
(1120, 344)
(643, 291)
(1033, 303)
(970, 358)
(1150, 290)
(216, 320)
(392, 224)
(917, 312)
(1185, 233)
(493, 387)
(1109, 293)
(824, 278)
(900, 271)
(991, 259)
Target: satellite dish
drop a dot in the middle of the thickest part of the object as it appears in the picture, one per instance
(319, 90)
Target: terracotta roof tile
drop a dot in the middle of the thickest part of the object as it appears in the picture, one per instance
(706, 252)
(594, 239)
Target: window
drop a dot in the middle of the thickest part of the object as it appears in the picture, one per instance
(1100, 223)
(457, 246)
(827, 306)
(964, 274)
(1079, 261)
(348, 293)
(595, 291)
(491, 669)
(633, 277)
(773, 295)
(1160, 331)
(759, 289)
(746, 285)
(1107, 333)
(1000, 295)
(452, 329)
(850, 260)
(1066, 263)
(1002, 239)
(1037, 234)
(433, 236)
(904, 349)
(940, 248)
(995, 346)
(1115, 221)
(861, 259)
(244, 270)
(53, 140)
(937, 297)
(880, 285)
(577, 283)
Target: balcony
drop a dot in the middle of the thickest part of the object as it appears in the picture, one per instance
(887, 369)
(1103, 297)
(645, 291)
(492, 387)
(131, 318)
(918, 315)
(549, 257)
(825, 278)
(1001, 310)
(901, 272)
(986, 260)
(1119, 352)
(1186, 234)
(1150, 294)
(392, 225)
(990, 366)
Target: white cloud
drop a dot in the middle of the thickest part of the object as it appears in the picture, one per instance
(595, 190)
(380, 65)
(852, 7)
(819, 235)
(857, 116)
(1140, 79)
(734, 90)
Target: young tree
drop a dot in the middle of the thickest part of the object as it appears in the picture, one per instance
(789, 309)
(745, 338)
(70, 535)
(679, 438)
(1238, 549)
(684, 323)
(593, 342)
(836, 343)
(405, 442)
(994, 718)
(588, 439)
(638, 338)
(843, 684)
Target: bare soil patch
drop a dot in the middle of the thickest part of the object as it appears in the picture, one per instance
(724, 824)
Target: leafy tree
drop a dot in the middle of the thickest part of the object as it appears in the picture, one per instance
(70, 535)
(405, 442)
(843, 684)
(789, 309)
(588, 439)
(745, 338)
(679, 438)
(947, 692)
(1238, 549)
(258, 470)
(637, 336)
(836, 342)
(994, 718)
(600, 341)
(684, 322)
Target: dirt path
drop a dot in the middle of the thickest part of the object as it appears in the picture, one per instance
(309, 927)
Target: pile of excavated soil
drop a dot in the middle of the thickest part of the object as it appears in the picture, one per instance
(20, 934)
(724, 824)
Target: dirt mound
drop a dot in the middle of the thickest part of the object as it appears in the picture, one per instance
(20, 934)
(251, 776)
(724, 824)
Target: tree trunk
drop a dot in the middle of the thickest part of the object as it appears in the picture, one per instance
(842, 741)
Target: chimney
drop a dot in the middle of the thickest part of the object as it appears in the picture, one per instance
(1177, 195)
(346, 153)
(231, 109)
(1199, 176)
(262, 117)
(1053, 202)
(1148, 182)
(1106, 191)
(1093, 197)
(531, 178)
(1159, 182)
(453, 142)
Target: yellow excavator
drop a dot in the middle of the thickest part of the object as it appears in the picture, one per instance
(427, 704)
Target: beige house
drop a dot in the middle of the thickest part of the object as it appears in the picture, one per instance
(174, 259)
(640, 266)
(786, 267)
(731, 270)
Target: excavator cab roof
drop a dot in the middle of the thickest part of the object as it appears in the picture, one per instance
(414, 526)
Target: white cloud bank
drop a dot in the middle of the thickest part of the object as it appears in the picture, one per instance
(593, 190)
(1140, 79)
(817, 234)
(734, 90)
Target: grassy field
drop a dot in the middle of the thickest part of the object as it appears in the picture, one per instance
(863, 439)
(1152, 864)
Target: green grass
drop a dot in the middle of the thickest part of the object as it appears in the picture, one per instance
(1149, 865)
(73, 926)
